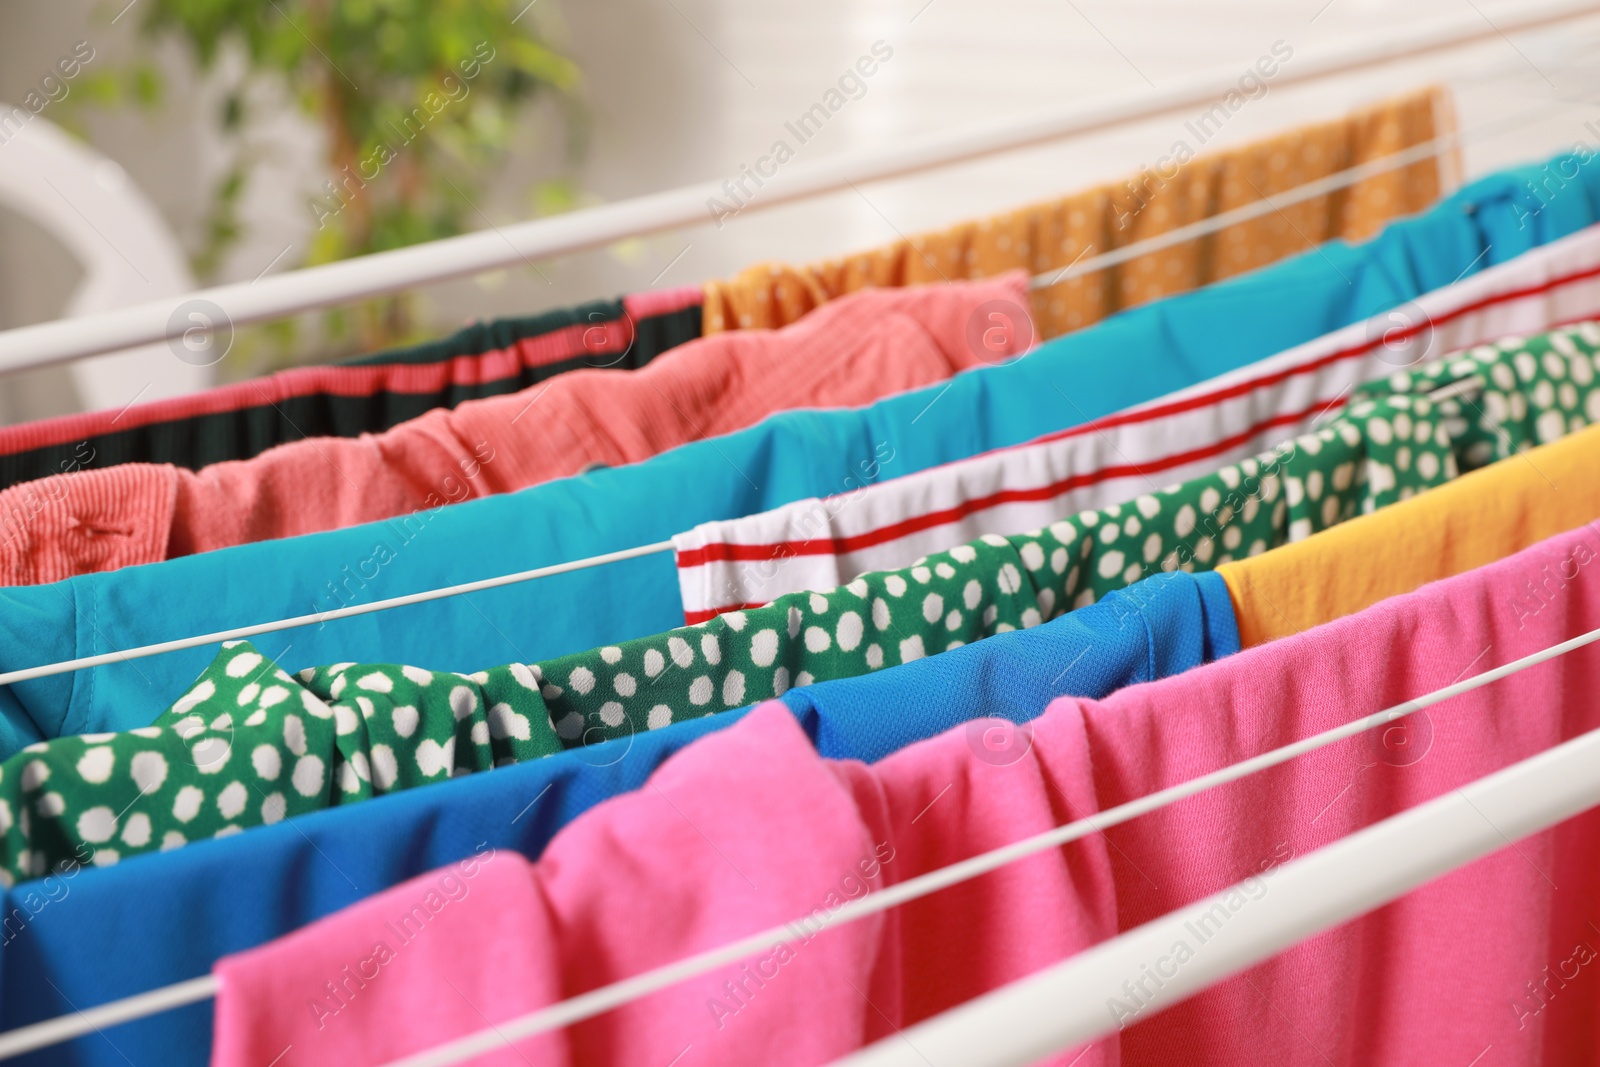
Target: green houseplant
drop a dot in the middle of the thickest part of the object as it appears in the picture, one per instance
(419, 102)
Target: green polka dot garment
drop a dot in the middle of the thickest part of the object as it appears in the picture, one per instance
(1391, 442)
(1527, 392)
(250, 745)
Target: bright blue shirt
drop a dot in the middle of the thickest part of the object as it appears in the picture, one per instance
(1130, 358)
(1155, 628)
(106, 933)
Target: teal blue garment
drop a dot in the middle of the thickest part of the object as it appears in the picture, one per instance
(1125, 360)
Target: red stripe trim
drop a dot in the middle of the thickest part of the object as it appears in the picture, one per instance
(720, 552)
(724, 552)
(1228, 393)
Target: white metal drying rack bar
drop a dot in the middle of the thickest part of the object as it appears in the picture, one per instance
(1320, 187)
(1068, 1005)
(240, 632)
(386, 272)
(65, 1028)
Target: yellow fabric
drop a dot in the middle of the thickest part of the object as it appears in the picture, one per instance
(1478, 518)
(1052, 235)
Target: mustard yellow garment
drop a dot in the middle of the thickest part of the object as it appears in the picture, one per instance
(1052, 235)
(1478, 518)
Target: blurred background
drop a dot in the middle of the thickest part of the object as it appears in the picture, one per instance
(207, 141)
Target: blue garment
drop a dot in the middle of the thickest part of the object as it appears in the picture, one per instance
(1130, 358)
(161, 918)
(1013, 675)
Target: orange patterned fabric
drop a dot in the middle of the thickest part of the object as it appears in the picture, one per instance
(1179, 191)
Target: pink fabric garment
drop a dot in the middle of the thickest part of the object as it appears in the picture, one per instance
(748, 827)
(710, 850)
(363, 380)
(745, 830)
(853, 351)
(1494, 962)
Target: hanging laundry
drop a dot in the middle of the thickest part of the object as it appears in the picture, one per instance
(1176, 620)
(366, 395)
(823, 543)
(581, 918)
(980, 633)
(812, 836)
(875, 344)
(1481, 517)
(1054, 235)
(255, 886)
(1111, 366)
(1389, 444)
(1297, 1007)
(248, 745)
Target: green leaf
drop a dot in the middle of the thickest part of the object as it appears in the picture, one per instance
(147, 85)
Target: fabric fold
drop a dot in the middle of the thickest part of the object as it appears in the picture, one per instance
(603, 921)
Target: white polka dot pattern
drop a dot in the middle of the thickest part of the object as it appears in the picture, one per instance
(236, 752)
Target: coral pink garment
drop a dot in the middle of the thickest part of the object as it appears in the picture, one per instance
(852, 352)
(748, 827)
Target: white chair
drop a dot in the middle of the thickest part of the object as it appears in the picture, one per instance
(128, 254)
